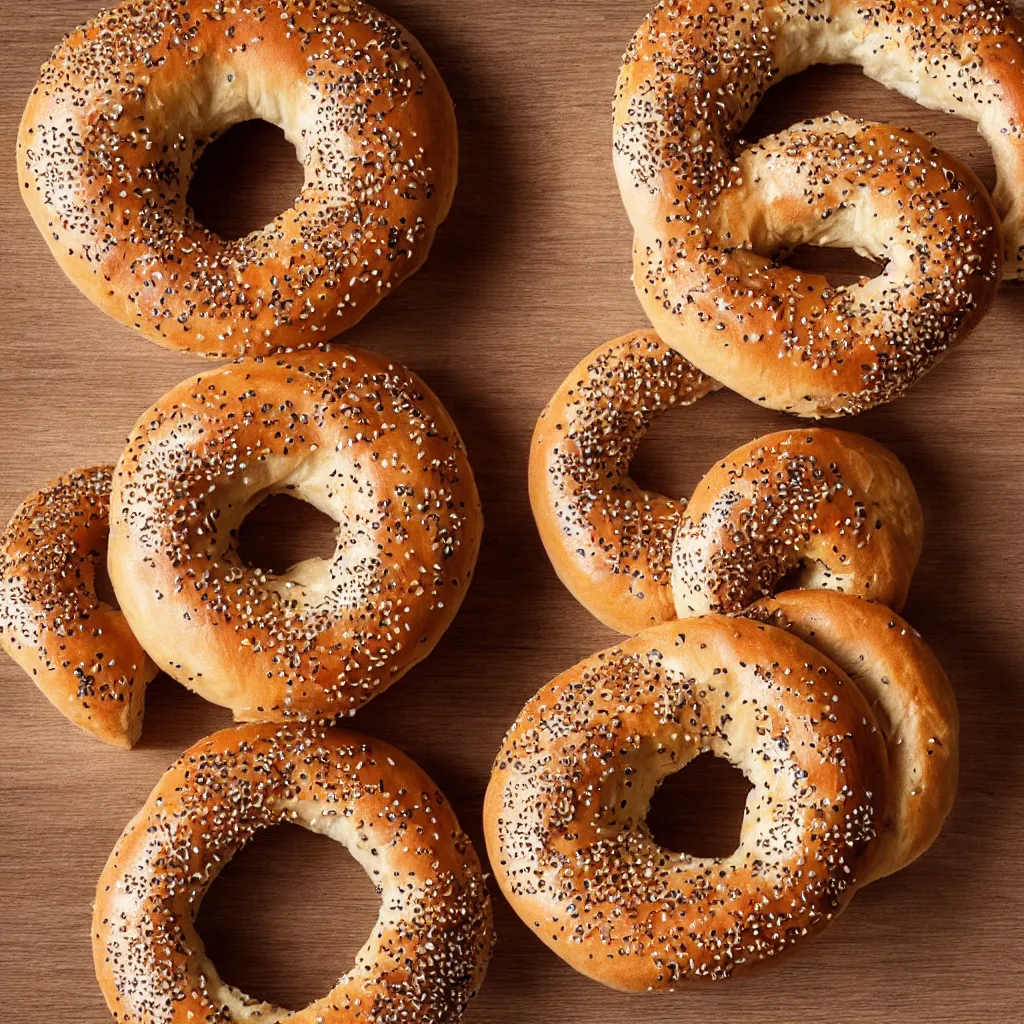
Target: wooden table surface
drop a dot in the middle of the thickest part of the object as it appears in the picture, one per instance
(530, 272)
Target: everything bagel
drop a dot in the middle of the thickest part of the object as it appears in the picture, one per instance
(78, 650)
(710, 217)
(827, 509)
(124, 108)
(359, 438)
(565, 807)
(427, 954)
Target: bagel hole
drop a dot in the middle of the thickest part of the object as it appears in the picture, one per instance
(699, 809)
(283, 530)
(794, 578)
(839, 266)
(102, 582)
(244, 179)
(287, 916)
(684, 443)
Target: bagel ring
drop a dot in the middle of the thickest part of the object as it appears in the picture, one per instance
(816, 506)
(78, 650)
(360, 439)
(427, 954)
(124, 109)
(909, 694)
(565, 807)
(710, 217)
(819, 508)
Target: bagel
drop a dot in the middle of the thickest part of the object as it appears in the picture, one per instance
(565, 806)
(78, 650)
(909, 694)
(710, 216)
(126, 105)
(610, 540)
(815, 506)
(361, 439)
(429, 949)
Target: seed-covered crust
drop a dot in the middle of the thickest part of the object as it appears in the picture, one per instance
(909, 694)
(610, 540)
(427, 954)
(711, 217)
(124, 108)
(364, 441)
(78, 649)
(564, 811)
(818, 508)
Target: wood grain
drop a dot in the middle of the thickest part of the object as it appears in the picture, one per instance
(530, 272)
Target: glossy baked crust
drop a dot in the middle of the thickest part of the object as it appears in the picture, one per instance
(565, 807)
(124, 108)
(813, 507)
(909, 694)
(364, 441)
(427, 954)
(713, 220)
(608, 538)
(78, 649)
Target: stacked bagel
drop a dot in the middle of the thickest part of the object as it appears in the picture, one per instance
(360, 438)
(713, 218)
(830, 703)
(763, 613)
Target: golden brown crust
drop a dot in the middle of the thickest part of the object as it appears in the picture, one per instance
(836, 509)
(78, 650)
(609, 540)
(710, 217)
(910, 695)
(564, 810)
(822, 508)
(124, 108)
(364, 441)
(427, 954)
